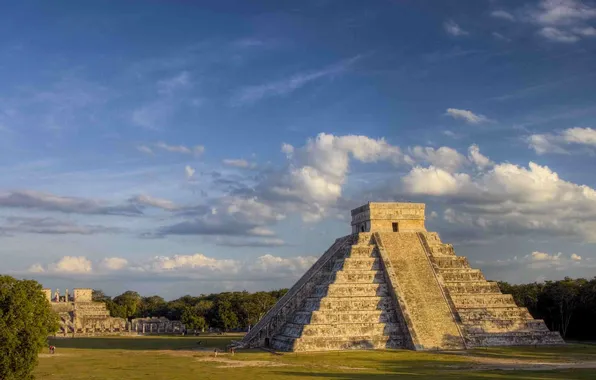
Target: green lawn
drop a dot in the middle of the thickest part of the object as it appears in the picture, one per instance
(175, 358)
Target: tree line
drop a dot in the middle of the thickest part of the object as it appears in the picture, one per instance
(567, 306)
(224, 311)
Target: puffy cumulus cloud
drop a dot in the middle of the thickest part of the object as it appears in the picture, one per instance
(67, 264)
(273, 264)
(444, 158)
(147, 200)
(37, 200)
(175, 267)
(556, 142)
(317, 171)
(433, 181)
(466, 115)
(477, 158)
(194, 262)
(454, 29)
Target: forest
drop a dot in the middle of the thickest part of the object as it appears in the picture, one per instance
(567, 305)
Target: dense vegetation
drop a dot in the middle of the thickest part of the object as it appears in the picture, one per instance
(568, 305)
(224, 311)
(26, 320)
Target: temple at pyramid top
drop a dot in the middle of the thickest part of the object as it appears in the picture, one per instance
(393, 284)
(388, 217)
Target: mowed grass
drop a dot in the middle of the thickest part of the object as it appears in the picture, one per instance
(173, 358)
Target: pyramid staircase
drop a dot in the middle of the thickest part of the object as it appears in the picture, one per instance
(487, 317)
(349, 308)
(395, 287)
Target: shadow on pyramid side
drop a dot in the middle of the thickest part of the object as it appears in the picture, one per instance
(392, 284)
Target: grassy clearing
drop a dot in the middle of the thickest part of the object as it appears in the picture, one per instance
(174, 358)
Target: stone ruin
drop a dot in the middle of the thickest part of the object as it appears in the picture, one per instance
(155, 325)
(392, 284)
(80, 316)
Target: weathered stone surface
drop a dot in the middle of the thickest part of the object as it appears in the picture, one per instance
(392, 284)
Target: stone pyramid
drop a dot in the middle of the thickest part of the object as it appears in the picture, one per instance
(392, 284)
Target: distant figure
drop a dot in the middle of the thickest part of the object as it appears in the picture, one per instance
(52, 349)
(232, 350)
(215, 352)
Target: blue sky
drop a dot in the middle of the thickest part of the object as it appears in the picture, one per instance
(178, 147)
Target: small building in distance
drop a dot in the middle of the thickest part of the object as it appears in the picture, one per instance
(81, 316)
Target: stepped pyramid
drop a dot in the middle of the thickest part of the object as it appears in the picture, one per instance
(392, 284)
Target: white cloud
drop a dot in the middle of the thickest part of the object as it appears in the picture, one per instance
(317, 171)
(576, 257)
(467, 116)
(148, 200)
(238, 163)
(194, 266)
(558, 35)
(477, 158)
(454, 29)
(562, 12)
(444, 158)
(67, 264)
(503, 15)
(252, 94)
(113, 263)
(587, 31)
(539, 261)
(433, 181)
(555, 143)
(563, 21)
(197, 149)
(189, 171)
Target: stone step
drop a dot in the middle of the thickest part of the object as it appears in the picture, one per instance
(354, 276)
(351, 316)
(504, 325)
(347, 303)
(514, 338)
(493, 313)
(343, 330)
(285, 343)
(482, 300)
(353, 263)
(362, 251)
(362, 238)
(450, 262)
(474, 287)
(351, 290)
(461, 275)
(441, 250)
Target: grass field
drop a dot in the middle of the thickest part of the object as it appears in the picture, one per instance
(177, 358)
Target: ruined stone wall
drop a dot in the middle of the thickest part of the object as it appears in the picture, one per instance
(157, 325)
(48, 294)
(83, 295)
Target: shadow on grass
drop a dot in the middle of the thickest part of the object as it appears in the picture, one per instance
(145, 343)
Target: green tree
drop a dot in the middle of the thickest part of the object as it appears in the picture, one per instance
(130, 301)
(154, 306)
(98, 295)
(26, 320)
(192, 320)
